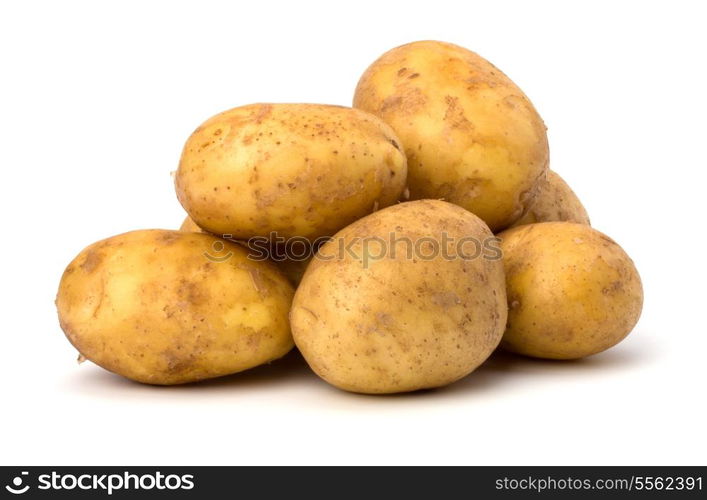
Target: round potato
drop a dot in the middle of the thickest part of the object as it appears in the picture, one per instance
(408, 298)
(555, 201)
(169, 307)
(290, 169)
(572, 291)
(470, 134)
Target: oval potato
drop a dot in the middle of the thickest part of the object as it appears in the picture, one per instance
(374, 321)
(291, 169)
(169, 307)
(572, 291)
(470, 134)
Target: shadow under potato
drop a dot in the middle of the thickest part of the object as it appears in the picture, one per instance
(501, 368)
(506, 367)
(291, 367)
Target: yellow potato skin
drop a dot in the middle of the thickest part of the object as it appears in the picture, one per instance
(401, 324)
(555, 201)
(149, 305)
(295, 169)
(470, 134)
(572, 291)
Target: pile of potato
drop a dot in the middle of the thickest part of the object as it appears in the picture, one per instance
(437, 233)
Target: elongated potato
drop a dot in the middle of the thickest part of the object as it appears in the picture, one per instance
(555, 201)
(293, 169)
(470, 134)
(168, 307)
(572, 291)
(401, 300)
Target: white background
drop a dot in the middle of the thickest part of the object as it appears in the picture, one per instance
(96, 102)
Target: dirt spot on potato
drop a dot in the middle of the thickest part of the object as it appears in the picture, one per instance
(564, 335)
(454, 115)
(446, 299)
(169, 237)
(513, 101)
(192, 293)
(253, 341)
(178, 362)
(264, 110)
(614, 287)
(606, 239)
(382, 325)
(92, 260)
(406, 101)
(67, 328)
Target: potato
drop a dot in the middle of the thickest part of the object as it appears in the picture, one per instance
(292, 265)
(470, 134)
(572, 291)
(555, 201)
(382, 308)
(293, 169)
(169, 307)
